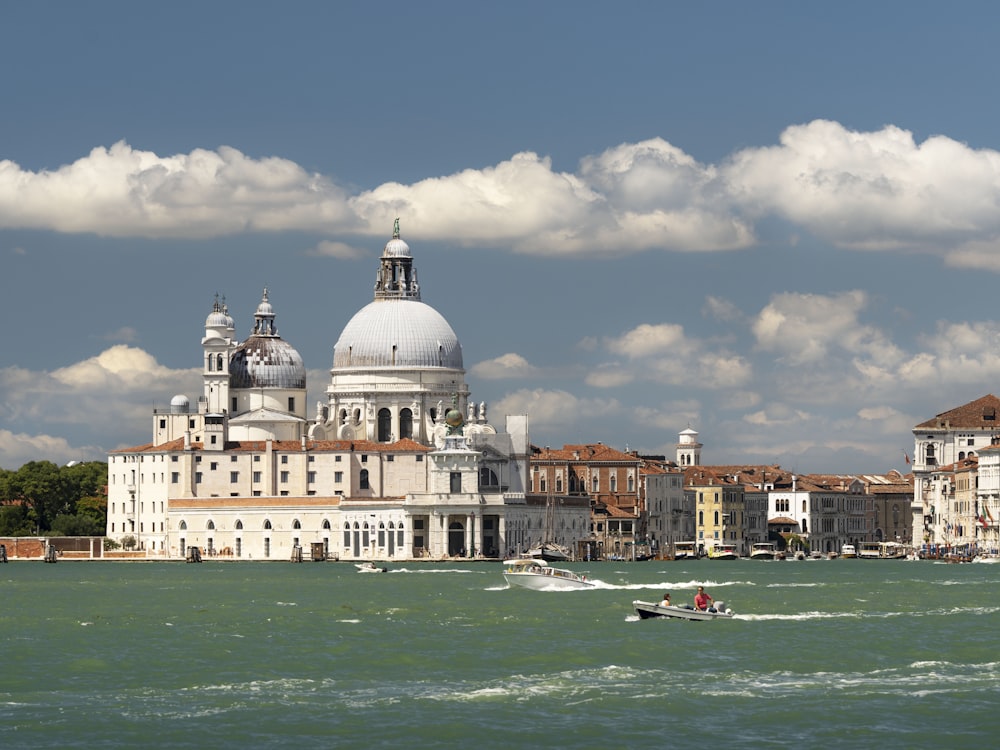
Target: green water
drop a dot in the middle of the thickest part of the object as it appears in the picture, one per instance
(839, 653)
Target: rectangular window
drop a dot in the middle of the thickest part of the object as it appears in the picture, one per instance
(284, 459)
(337, 459)
(256, 476)
(191, 424)
(364, 459)
(390, 458)
(232, 459)
(197, 477)
(234, 404)
(291, 404)
(175, 477)
(214, 465)
(311, 459)
(197, 459)
(163, 424)
(311, 476)
(213, 440)
(338, 476)
(456, 481)
(174, 459)
(234, 477)
(420, 458)
(256, 459)
(284, 477)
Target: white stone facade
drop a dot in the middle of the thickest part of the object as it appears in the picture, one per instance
(399, 464)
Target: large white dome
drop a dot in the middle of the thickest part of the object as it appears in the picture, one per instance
(397, 333)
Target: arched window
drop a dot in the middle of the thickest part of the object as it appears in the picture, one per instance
(405, 423)
(182, 526)
(210, 525)
(488, 477)
(363, 480)
(384, 425)
(239, 526)
(631, 484)
(614, 483)
(219, 360)
(716, 518)
(267, 525)
(296, 524)
(701, 518)
(326, 525)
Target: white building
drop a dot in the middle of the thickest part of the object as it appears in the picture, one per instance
(399, 463)
(938, 445)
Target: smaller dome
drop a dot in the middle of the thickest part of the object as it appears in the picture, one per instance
(396, 248)
(219, 317)
(179, 404)
(266, 362)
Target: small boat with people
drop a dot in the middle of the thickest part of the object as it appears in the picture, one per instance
(763, 551)
(369, 567)
(648, 610)
(532, 573)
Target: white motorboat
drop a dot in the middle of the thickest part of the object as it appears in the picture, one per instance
(686, 551)
(763, 551)
(723, 551)
(369, 567)
(532, 573)
(848, 552)
(647, 610)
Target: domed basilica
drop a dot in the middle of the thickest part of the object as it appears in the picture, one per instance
(398, 463)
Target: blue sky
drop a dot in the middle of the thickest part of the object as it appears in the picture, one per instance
(773, 222)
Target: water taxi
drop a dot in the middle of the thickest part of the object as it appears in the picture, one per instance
(532, 573)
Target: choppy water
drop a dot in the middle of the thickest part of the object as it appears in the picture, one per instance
(842, 653)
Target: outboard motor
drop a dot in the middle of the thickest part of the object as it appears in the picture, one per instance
(721, 606)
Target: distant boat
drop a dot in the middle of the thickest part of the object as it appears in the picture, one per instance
(763, 551)
(723, 551)
(848, 551)
(369, 567)
(686, 551)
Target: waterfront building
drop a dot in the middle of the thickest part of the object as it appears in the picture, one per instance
(399, 462)
(604, 480)
(669, 512)
(938, 444)
(718, 507)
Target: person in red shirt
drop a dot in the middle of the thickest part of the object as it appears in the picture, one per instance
(702, 600)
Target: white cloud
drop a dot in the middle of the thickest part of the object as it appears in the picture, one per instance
(554, 408)
(810, 328)
(124, 192)
(873, 190)
(505, 366)
(17, 449)
(876, 190)
(341, 250)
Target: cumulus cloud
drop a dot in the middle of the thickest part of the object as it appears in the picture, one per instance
(505, 366)
(111, 393)
(124, 192)
(554, 408)
(871, 190)
(663, 353)
(809, 328)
